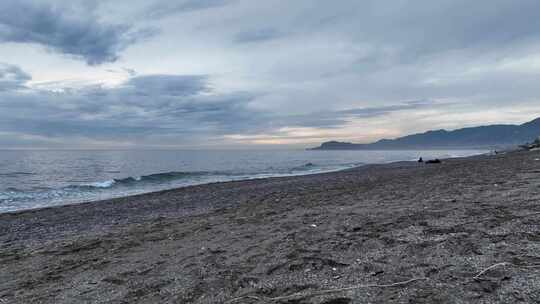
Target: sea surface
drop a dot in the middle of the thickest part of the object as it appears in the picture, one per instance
(33, 179)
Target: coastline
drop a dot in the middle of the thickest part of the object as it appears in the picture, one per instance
(374, 224)
(262, 176)
(133, 185)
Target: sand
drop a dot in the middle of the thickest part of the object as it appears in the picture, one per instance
(398, 233)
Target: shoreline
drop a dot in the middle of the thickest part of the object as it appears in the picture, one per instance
(275, 237)
(258, 176)
(135, 196)
(254, 177)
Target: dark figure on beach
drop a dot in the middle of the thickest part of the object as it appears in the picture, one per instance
(433, 161)
(420, 160)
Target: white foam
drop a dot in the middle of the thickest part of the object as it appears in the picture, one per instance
(105, 184)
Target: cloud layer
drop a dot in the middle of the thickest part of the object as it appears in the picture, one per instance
(12, 77)
(162, 9)
(77, 34)
(242, 72)
(151, 109)
(143, 107)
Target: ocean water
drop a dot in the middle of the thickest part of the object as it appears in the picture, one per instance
(33, 179)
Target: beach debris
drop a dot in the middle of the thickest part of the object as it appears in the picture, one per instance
(420, 160)
(304, 295)
(324, 292)
(535, 145)
(481, 273)
(313, 225)
(477, 277)
(434, 161)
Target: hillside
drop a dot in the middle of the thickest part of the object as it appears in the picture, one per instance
(492, 136)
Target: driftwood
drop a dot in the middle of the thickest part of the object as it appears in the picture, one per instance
(302, 295)
(307, 295)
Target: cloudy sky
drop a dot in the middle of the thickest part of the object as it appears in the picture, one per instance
(230, 73)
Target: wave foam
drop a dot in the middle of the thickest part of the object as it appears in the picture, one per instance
(149, 179)
(105, 184)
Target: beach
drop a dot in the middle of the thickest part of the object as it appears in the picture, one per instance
(463, 231)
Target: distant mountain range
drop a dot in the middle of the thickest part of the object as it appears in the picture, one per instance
(484, 137)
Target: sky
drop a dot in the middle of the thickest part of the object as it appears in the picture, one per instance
(244, 73)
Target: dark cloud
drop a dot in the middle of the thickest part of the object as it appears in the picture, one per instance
(166, 8)
(131, 72)
(171, 85)
(12, 77)
(183, 107)
(81, 36)
(144, 106)
(404, 32)
(124, 71)
(382, 110)
(327, 65)
(339, 118)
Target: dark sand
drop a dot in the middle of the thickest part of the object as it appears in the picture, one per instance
(443, 223)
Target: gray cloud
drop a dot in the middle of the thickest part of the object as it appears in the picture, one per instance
(379, 111)
(81, 36)
(259, 35)
(370, 53)
(324, 66)
(424, 27)
(171, 85)
(339, 118)
(162, 9)
(183, 107)
(168, 105)
(12, 77)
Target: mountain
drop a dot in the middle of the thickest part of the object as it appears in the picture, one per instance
(490, 137)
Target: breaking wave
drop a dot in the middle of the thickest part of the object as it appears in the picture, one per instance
(144, 179)
(13, 198)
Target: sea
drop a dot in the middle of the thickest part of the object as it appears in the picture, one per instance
(40, 178)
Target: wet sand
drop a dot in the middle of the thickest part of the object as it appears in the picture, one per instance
(397, 233)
